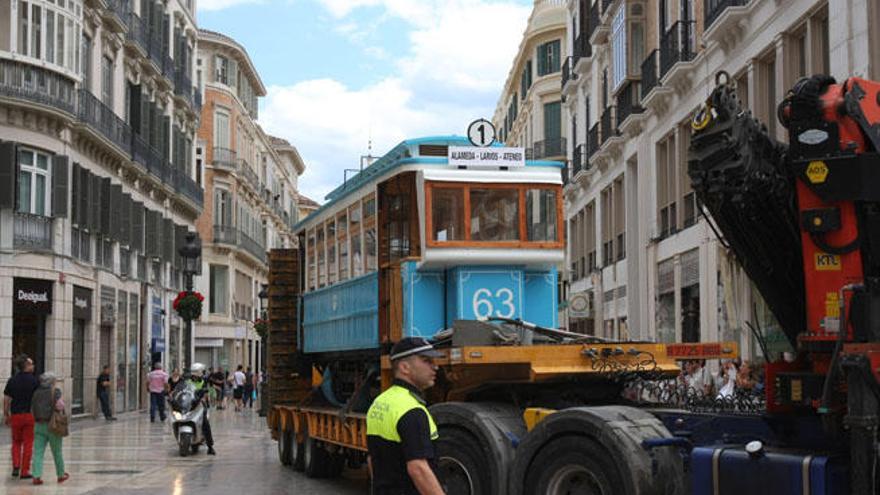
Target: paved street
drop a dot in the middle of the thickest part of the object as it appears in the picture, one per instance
(132, 456)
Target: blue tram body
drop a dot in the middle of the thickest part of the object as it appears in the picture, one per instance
(448, 280)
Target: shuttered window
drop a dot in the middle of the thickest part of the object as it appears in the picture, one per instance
(690, 268)
(549, 58)
(34, 182)
(137, 227)
(665, 277)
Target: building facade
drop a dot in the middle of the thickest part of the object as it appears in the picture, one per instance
(643, 262)
(529, 111)
(98, 116)
(250, 202)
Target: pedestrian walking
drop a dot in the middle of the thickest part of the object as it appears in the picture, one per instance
(400, 430)
(17, 415)
(227, 389)
(216, 380)
(238, 380)
(46, 401)
(104, 384)
(249, 389)
(156, 381)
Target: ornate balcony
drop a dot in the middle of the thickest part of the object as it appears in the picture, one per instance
(629, 106)
(33, 232)
(568, 71)
(714, 8)
(549, 148)
(225, 158)
(593, 140)
(248, 174)
(649, 73)
(37, 85)
(94, 113)
(676, 45)
(609, 123)
(225, 234)
(253, 247)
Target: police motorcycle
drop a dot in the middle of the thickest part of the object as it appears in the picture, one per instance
(188, 412)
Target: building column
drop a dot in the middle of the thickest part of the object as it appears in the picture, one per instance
(849, 39)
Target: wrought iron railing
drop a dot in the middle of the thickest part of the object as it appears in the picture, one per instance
(188, 187)
(628, 101)
(676, 45)
(582, 46)
(225, 234)
(594, 18)
(253, 247)
(549, 148)
(609, 123)
(137, 32)
(36, 85)
(649, 73)
(244, 169)
(593, 142)
(225, 158)
(568, 70)
(122, 9)
(578, 158)
(94, 113)
(32, 231)
(714, 8)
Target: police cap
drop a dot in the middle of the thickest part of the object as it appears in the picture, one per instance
(411, 346)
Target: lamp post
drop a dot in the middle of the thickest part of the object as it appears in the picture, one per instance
(264, 342)
(191, 252)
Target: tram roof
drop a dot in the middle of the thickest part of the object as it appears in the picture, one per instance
(402, 155)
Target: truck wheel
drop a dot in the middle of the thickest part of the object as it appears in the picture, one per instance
(284, 441)
(297, 454)
(461, 463)
(597, 450)
(316, 460)
(573, 465)
(476, 445)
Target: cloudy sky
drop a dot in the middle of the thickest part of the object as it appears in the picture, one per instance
(340, 72)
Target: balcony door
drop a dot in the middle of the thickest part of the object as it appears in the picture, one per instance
(553, 129)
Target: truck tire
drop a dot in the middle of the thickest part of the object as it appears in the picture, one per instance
(596, 450)
(297, 454)
(316, 460)
(476, 446)
(284, 442)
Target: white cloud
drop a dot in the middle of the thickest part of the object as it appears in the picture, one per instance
(221, 4)
(458, 57)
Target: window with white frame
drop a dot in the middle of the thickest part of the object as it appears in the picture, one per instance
(221, 69)
(34, 182)
(50, 32)
(618, 45)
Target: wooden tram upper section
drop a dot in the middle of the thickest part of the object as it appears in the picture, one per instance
(434, 213)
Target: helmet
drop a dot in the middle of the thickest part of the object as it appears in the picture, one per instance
(197, 369)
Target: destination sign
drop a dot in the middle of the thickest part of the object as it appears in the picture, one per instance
(469, 156)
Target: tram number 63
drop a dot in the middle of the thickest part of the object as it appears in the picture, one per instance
(484, 303)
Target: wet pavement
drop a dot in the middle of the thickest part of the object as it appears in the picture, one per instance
(134, 457)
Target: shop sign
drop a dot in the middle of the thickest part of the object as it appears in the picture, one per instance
(32, 296)
(82, 303)
(108, 306)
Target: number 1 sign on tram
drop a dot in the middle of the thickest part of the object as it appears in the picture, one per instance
(481, 133)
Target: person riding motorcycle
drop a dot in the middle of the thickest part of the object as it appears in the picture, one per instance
(198, 379)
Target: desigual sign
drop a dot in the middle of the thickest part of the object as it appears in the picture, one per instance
(82, 303)
(32, 296)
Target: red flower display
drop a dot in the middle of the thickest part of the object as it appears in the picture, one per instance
(188, 305)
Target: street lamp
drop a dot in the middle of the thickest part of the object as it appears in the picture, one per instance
(191, 252)
(264, 342)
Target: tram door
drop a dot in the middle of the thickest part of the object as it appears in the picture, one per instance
(398, 229)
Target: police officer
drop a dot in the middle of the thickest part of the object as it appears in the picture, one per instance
(199, 381)
(400, 430)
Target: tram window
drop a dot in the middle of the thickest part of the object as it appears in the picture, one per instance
(331, 263)
(357, 268)
(370, 248)
(447, 214)
(342, 224)
(370, 207)
(343, 260)
(494, 214)
(541, 215)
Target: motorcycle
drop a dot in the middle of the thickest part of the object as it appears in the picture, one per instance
(187, 415)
